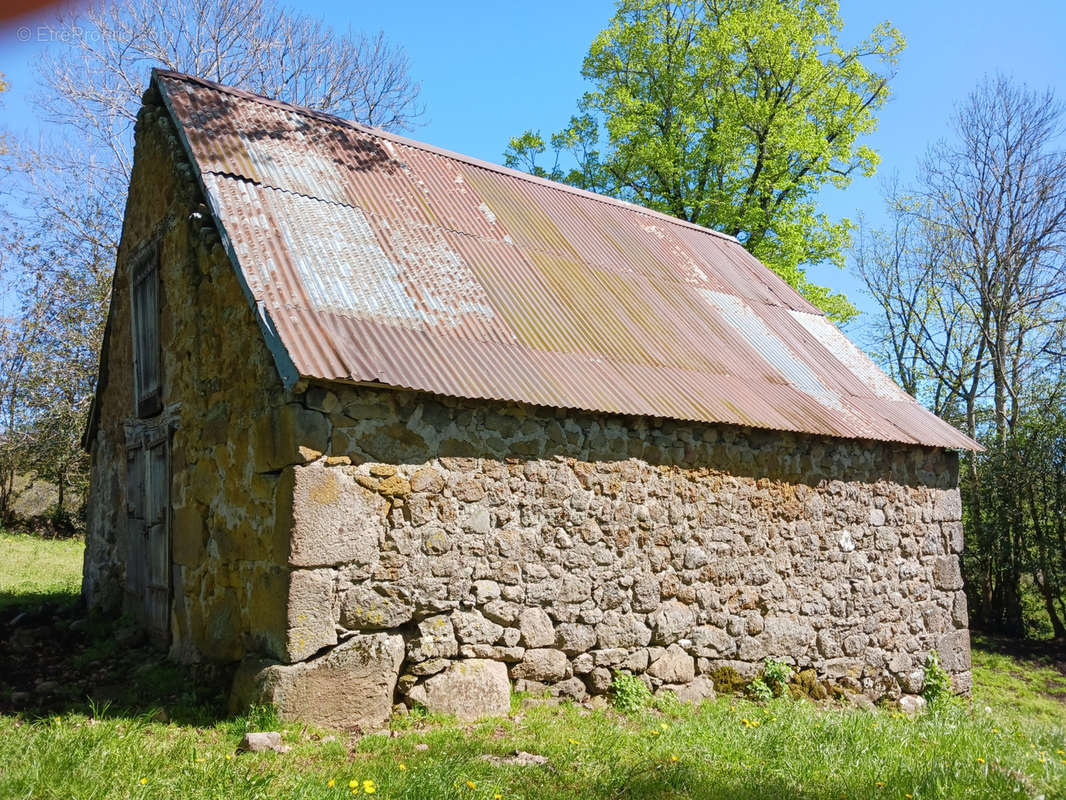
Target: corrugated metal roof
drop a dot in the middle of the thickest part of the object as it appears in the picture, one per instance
(375, 258)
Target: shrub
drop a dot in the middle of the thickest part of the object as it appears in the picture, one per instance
(631, 694)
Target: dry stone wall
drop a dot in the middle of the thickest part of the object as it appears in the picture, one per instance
(230, 570)
(568, 545)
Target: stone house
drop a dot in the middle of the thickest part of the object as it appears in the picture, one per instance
(382, 422)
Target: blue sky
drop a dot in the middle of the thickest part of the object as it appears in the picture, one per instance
(491, 69)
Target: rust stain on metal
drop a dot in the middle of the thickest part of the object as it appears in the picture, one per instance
(380, 259)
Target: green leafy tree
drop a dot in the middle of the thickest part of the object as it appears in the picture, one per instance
(58, 290)
(731, 114)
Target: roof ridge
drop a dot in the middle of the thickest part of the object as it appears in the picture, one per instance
(440, 151)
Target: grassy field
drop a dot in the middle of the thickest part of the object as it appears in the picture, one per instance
(164, 736)
(35, 570)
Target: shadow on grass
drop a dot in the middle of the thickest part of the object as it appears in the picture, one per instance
(684, 783)
(55, 659)
(28, 601)
(1048, 653)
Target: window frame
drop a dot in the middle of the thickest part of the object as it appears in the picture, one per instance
(145, 330)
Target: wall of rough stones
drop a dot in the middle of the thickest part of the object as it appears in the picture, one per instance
(360, 544)
(230, 573)
(568, 545)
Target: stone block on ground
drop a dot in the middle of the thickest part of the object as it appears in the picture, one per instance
(541, 664)
(470, 688)
(695, 691)
(262, 741)
(572, 688)
(520, 758)
(912, 704)
(673, 666)
(352, 685)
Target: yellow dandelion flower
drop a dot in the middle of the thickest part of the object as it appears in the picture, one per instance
(880, 783)
(573, 741)
(331, 783)
(909, 796)
(200, 760)
(655, 732)
(980, 760)
(471, 785)
(674, 758)
(144, 781)
(369, 787)
(353, 783)
(1061, 752)
(355, 790)
(995, 730)
(497, 797)
(401, 766)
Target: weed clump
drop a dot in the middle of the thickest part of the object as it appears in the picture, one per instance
(773, 682)
(937, 685)
(631, 694)
(760, 691)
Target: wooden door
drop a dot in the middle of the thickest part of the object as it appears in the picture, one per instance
(148, 566)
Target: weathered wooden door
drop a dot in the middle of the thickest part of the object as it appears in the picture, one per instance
(148, 526)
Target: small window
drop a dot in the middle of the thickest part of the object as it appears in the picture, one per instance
(144, 302)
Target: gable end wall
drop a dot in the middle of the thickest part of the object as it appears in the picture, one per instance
(229, 573)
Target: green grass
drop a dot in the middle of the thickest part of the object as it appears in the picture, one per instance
(797, 750)
(1030, 688)
(35, 570)
(730, 749)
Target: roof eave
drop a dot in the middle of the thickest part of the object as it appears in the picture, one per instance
(287, 371)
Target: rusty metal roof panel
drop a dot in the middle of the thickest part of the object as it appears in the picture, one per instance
(376, 258)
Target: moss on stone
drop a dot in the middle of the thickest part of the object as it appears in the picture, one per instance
(728, 681)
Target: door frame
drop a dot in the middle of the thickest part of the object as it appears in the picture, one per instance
(150, 592)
